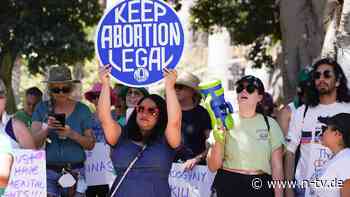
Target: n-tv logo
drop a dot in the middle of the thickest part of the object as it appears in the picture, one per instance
(139, 38)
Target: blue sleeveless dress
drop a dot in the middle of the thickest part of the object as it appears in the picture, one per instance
(149, 176)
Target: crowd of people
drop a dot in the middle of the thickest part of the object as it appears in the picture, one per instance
(306, 140)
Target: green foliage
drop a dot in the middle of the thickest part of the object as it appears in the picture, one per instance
(176, 4)
(46, 32)
(248, 21)
(259, 53)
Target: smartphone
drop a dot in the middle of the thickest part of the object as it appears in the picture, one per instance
(60, 117)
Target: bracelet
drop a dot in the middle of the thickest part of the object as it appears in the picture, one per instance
(219, 136)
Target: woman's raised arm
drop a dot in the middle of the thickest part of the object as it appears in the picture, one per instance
(173, 128)
(111, 128)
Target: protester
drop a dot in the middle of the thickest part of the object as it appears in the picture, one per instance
(6, 160)
(330, 84)
(150, 137)
(66, 137)
(132, 97)
(93, 96)
(14, 130)
(335, 136)
(119, 112)
(195, 124)
(251, 150)
(33, 96)
(304, 91)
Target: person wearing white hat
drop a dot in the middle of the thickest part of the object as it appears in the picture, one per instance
(195, 125)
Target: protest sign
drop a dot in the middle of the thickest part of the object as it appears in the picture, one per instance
(194, 183)
(28, 174)
(98, 166)
(139, 38)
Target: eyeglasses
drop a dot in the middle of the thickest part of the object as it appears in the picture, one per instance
(324, 128)
(250, 88)
(153, 111)
(134, 92)
(327, 74)
(64, 90)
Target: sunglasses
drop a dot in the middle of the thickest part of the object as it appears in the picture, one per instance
(250, 88)
(179, 87)
(134, 92)
(64, 90)
(327, 74)
(324, 128)
(153, 111)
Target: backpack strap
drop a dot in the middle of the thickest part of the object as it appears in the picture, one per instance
(9, 130)
(297, 152)
(305, 110)
(267, 122)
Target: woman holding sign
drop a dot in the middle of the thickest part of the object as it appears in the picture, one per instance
(143, 150)
(249, 155)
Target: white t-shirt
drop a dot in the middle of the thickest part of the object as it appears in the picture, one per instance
(334, 173)
(307, 132)
(3, 122)
(292, 107)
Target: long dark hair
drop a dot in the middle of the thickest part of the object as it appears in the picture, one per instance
(342, 89)
(133, 128)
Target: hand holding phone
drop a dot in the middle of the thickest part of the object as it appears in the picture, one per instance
(60, 118)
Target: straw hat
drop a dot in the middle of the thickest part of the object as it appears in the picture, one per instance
(192, 81)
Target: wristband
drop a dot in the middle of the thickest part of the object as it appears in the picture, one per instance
(219, 136)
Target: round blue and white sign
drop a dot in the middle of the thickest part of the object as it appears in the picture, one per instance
(139, 38)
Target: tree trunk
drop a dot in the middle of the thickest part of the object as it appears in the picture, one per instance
(302, 37)
(6, 66)
(343, 39)
(332, 21)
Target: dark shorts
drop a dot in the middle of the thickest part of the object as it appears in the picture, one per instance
(228, 184)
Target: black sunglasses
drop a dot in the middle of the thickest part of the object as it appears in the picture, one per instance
(179, 87)
(250, 88)
(326, 74)
(64, 90)
(324, 128)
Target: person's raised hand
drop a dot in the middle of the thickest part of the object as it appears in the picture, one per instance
(104, 71)
(170, 77)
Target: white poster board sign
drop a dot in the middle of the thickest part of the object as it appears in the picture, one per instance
(194, 183)
(98, 166)
(28, 174)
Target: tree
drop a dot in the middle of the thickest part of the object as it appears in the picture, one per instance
(298, 24)
(248, 22)
(303, 34)
(44, 33)
(337, 41)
